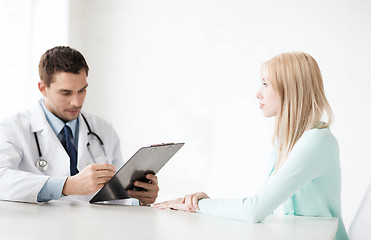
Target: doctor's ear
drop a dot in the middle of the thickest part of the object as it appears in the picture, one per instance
(42, 87)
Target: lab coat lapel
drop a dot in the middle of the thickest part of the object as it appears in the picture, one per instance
(38, 119)
(82, 152)
(50, 146)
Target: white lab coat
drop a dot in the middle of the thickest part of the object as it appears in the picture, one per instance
(20, 180)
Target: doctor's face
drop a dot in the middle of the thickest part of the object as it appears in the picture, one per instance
(65, 95)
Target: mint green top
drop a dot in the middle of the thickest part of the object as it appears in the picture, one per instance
(308, 184)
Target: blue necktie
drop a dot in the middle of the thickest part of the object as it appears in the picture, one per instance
(70, 149)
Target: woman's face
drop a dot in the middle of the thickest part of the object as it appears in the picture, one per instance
(268, 98)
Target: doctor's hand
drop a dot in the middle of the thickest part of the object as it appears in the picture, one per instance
(189, 203)
(150, 192)
(89, 180)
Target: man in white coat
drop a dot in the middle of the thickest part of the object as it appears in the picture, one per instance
(54, 150)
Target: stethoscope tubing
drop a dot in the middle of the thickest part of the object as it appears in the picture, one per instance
(38, 145)
(42, 164)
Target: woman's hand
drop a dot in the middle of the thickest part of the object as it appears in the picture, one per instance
(189, 203)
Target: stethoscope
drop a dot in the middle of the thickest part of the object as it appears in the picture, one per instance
(42, 164)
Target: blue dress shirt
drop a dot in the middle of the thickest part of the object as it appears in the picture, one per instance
(52, 189)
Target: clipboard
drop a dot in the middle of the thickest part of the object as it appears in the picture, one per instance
(146, 160)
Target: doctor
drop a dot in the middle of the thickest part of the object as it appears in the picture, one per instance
(55, 150)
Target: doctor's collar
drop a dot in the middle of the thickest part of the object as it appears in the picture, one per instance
(56, 123)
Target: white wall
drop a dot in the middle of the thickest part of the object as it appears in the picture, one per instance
(188, 71)
(28, 29)
(174, 71)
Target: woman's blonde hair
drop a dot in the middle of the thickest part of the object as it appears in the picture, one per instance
(297, 80)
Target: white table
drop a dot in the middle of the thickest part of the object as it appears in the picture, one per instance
(78, 220)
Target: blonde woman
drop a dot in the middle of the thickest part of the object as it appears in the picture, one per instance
(305, 176)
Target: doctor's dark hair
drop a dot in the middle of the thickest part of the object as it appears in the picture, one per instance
(61, 59)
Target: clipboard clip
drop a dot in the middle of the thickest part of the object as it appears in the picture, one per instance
(162, 144)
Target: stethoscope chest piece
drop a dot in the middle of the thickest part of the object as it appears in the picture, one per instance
(42, 164)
